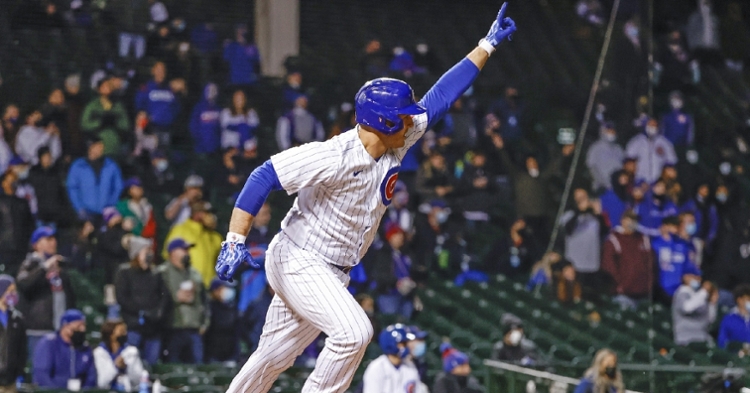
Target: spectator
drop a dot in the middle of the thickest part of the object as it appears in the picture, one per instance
(144, 300)
(203, 37)
(35, 134)
(64, 359)
(735, 37)
(402, 64)
(238, 122)
(459, 123)
(477, 188)
(13, 352)
(512, 348)
(254, 318)
(568, 289)
(617, 198)
(584, 229)
(398, 211)
(694, 310)
(221, 339)
(735, 327)
(677, 126)
(55, 111)
(514, 254)
(604, 157)
(46, 179)
(94, 182)
(247, 159)
(706, 215)
(205, 124)
(374, 60)
(702, 33)
(23, 189)
(159, 176)
(674, 66)
(293, 89)
(542, 271)
(628, 260)
(654, 208)
(178, 209)
(161, 102)
(10, 120)
(672, 184)
(456, 375)
(111, 242)
(5, 152)
(425, 58)
(434, 179)
(44, 286)
(652, 150)
(674, 256)
(732, 257)
(133, 19)
(117, 363)
(391, 276)
(417, 350)
(686, 230)
(73, 142)
(17, 225)
(629, 70)
(433, 242)
(510, 111)
(298, 126)
(591, 11)
(243, 58)
(106, 119)
(136, 207)
(191, 313)
(204, 241)
(391, 371)
(603, 375)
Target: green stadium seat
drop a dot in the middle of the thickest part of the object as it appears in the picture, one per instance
(179, 380)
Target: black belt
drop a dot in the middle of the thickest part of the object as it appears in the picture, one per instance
(345, 269)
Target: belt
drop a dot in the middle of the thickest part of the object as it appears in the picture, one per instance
(345, 269)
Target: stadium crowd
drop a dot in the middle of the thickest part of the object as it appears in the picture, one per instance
(173, 116)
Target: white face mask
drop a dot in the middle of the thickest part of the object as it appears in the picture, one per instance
(651, 130)
(441, 216)
(676, 103)
(695, 284)
(534, 172)
(692, 156)
(725, 168)
(515, 337)
(609, 137)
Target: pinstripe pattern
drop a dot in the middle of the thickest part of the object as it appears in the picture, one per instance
(382, 376)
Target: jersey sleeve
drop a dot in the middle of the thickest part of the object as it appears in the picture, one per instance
(307, 165)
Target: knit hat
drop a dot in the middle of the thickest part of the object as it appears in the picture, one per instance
(452, 357)
(193, 181)
(510, 322)
(5, 282)
(110, 212)
(71, 315)
(137, 244)
(391, 230)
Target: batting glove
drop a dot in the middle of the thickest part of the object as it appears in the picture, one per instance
(501, 29)
(231, 256)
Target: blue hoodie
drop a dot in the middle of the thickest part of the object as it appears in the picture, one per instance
(711, 220)
(90, 192)
(734, 327)
(243, 62)
(678, 128)
(614, 207)
(158, 100)
(205, 125)
(52, 364)
(651, 214)
(675, 257)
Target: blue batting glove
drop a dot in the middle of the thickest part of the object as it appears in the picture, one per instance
(231, 256)
(501, 29)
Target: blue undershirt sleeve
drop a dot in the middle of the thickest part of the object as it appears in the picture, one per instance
(447, 89)
(261, 182)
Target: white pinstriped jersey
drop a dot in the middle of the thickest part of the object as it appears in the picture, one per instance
(381, 376)
(342, 193)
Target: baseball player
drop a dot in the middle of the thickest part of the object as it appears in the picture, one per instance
(343, 187)
(393, 371)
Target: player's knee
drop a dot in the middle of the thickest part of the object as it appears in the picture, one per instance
(363, 336)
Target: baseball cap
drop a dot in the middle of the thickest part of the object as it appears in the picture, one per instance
(137, 244)
(110, 212)
(200, 206)
(413, 332)
(391, 230)
(193, 181)
(250, 144)
(91, 140)
(217, 283)
(71, 315)
(178, 243)
(133, 181)
(16, 160)
(42, 232)
(5, 282)
(452, 357)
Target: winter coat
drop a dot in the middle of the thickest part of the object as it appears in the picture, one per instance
(144, 300)
(31, 138)
(678, 127)
(90, 192)
(16, 226)
(159, 102)
(51, 196)
(195, 315)
(109, 124)
(142, 213)
(222, 337)
(106, 370)
(603, 159)
(36, 288)
(12, 348)
(652, 154)
(205, 127)
(52, 364)
(207, 244)
(651, 212)
(244, 63)
(629, 261)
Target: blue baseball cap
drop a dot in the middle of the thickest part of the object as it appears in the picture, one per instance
(413, 332)
(16, 160)
(217, 283)
(42, 232)
(133, 181)
(71, 315)
(178, 243)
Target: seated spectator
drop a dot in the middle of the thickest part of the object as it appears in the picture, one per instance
(456, 375)
(134, 206)
(515, 253)
(652, 150)
(706, 215)
(477, 189)
(203, 240)
(677, 126)
(110, 245)
(616, 200)
(205, 122)
(603, 375)
(64, 360)
(117, 363)
(36, 133)
(221, 340)
(298, 126)
(567, 287)
(44, 286)
(434, 178)
(243, 58)
(19, 224)
(512, 348)
(702, 33)
(674, 257)
(13, 349)
(162, 103)
(106, 119)
(694, 310)
(655, 207)
(178, 209)
(417, 350)
(735, 327)
(238, 122)
(191, 313)
(628, 260)
(254, 318)
(391, 276)
(93, 182)
(144, 300)
(584, 228)
(46, 178)
(433, 242)
(392, 371)
(605, 157)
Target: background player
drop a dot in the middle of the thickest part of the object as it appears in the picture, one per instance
(393, 371)
(344, 186)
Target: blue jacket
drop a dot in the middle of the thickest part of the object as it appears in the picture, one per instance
(734, 328)
(90, 192)
(587, 386)
(675, 257)
(678, 128)
(651, 214)
(205, 126)
(710, 220)
(613, 206)
(243, 63)
(52, 364)
(158, 100)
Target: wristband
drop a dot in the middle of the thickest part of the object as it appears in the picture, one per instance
(235, 238)
(484, 44)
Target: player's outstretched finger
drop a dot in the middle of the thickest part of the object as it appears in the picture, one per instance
(501, 14)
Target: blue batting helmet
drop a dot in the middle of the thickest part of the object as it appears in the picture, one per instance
(379, 102)
(389, 339)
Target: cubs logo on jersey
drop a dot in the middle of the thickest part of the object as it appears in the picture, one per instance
(410, 387)
(388, 186)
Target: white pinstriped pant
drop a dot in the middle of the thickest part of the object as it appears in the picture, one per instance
(311, 297)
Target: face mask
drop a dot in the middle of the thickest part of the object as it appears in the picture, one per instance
(725, 168)
(186, 261)
(422, 48)
(11, 299)
(462, 380)
(534, 172)
(691, 229)
(676, 104)
(161, 165)
(78, 338)
(122, 340)
(631, 31)
(211, 92)
(23, 174)
(610, 372)
(419, 349)
(441, 216)
(695, 284)
(227, 295)
(401, 198)
(651, 130)
(692, 156)
(398, 51)
(610, 137)
(13, 120)
(722, 198)
(747, 306)
(515, 338)
(294, 85)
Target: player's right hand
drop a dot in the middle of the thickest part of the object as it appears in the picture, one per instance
(231, 256)
(501, 28)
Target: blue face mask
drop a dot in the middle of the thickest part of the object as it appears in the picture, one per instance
(419, 349)
(695, 284)
(747, 306)
(691, 229)
(227, 295)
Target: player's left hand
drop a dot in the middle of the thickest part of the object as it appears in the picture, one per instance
(231, 256)
(501, 29)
